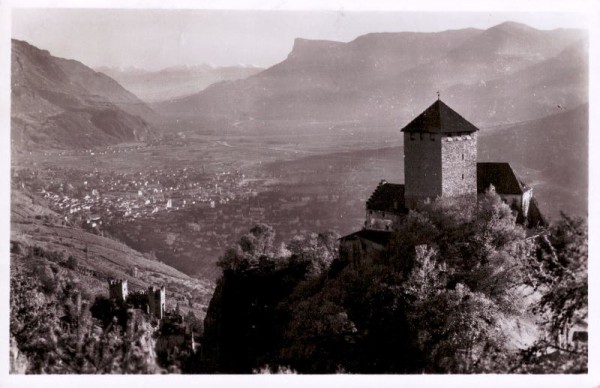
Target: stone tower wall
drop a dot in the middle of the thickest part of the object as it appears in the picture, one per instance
(118, 290)
(156, 301)
(422, 167)
(459, 166)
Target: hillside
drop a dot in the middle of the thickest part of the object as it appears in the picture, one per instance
(33, 225)
(62, 103)
(551, 153)
(385, 79)
(174, 82)
(539, 90)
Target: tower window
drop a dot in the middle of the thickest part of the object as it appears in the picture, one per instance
(463, 156)
(463, 176)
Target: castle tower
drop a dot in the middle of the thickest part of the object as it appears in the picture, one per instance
(118, 290)
(156, 301)
(440, 156)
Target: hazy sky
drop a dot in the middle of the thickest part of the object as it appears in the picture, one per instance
(154, 39)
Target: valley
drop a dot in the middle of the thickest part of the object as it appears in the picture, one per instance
(236, 191)
(36, 230)
(183, 167)
(185, 201)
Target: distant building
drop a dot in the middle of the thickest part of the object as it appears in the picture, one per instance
(118, 290)
(153, 300)
(156, 301)
(440, 161)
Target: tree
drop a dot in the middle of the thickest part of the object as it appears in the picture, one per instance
(315, 251)
(559, 273)
(319, 337)
(55, 330)
(438, 303)
(256, 244)
(463, 273)
(562, 273)
(259, 241)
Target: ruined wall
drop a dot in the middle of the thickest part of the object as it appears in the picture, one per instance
(380, 220)
(118, 290)
(459, 166)
(156, 301)
(422, 167)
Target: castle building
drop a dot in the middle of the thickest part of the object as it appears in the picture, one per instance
(118, 290)
(440, 161)
(156, 301)
(440, 156)
(152, 300)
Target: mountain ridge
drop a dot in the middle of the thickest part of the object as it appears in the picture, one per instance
(176, 81)
(380, 77)
(61, 103)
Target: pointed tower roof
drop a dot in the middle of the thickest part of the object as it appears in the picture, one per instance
(440, 118)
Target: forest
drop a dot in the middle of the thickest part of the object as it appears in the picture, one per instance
(447, 298)
(456, 292)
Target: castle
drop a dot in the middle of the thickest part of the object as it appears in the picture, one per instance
(440, 161)
(152, 300)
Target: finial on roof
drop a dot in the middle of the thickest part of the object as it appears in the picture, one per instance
(438, 93)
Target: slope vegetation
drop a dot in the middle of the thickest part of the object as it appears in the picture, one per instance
(34, 227)
(62, 103)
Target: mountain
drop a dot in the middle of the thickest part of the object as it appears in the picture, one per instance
(173, 82)
(317, 76)
(536, 91)
(62, 103)
(385, 79)
(551, 154)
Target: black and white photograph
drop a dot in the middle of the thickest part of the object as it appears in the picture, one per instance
(298, 190)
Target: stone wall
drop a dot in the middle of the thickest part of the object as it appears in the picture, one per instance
(118, 290)
(459, 166)
(439, 165)
(360, 252)
(380, 220)
(422, 167)
(526, 201)
(156, 301)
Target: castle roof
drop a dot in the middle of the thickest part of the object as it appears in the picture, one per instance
(381, 237)
(440, 118)
(387, 197)
(501, 176)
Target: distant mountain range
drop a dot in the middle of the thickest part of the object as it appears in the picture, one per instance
(505, 74)
(174, 82)
(62, 103)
